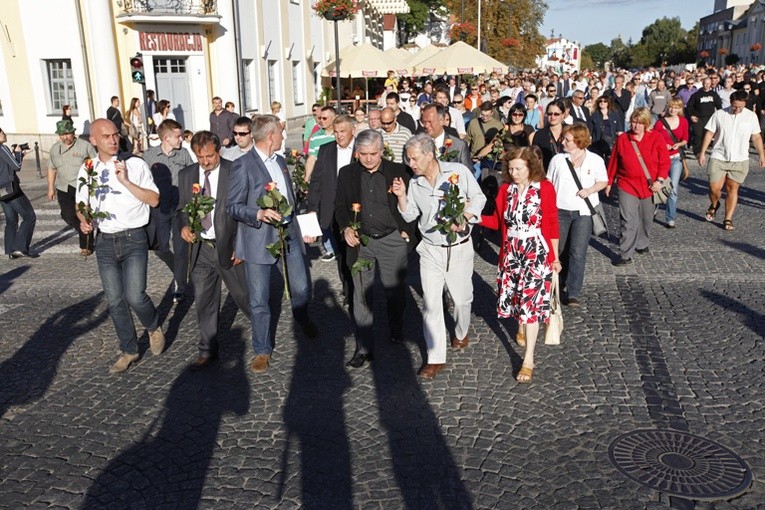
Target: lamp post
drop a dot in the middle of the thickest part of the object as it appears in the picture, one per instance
(337, 66)
(478, 43)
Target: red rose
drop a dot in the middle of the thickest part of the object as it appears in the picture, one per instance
(454, 179)
(196, 189)
(356, 207)
(448, 143)
(88, 164)
(270, 186)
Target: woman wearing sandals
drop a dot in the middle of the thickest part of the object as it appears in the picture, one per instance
(674, 130)
(635, 150)
(577, 175)
(527, 217)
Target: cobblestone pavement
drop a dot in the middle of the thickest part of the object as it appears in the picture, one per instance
(674, 340)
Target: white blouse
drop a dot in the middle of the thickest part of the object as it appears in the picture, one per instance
(593, 170)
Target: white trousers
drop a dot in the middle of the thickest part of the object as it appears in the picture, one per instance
(458, 280)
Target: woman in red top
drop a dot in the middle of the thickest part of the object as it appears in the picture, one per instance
(679, 126)
(635, 204)
(527, 216)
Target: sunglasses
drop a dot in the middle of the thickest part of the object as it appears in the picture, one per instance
(387, 123)
(241, 133)
(554, 114)
(518, 114)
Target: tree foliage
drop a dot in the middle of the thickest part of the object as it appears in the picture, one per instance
(510, 29)
(413, 22)
(598, 54)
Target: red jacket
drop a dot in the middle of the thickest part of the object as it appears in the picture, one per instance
(624, 166)
(550, 229)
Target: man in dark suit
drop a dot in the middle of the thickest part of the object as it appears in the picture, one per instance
(212, 255)
(564, 86)
(249, 176)
(579, 113)
(321, 197)
(390, 239)
(432, 120)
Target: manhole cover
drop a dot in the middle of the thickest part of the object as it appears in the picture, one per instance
(680, 464)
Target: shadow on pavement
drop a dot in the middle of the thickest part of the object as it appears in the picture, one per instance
(313, 411)
(27, 375)
(747, 248)
(6, 279)
(167, 468)
(751, 319)
(425, 470)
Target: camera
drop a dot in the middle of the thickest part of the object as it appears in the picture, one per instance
(24, 146)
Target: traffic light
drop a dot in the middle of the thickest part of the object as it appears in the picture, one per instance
(136, 69)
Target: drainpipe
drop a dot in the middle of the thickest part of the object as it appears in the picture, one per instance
(86, 64)
(238, 52)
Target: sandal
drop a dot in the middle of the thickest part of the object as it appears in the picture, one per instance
(711, 211)
(527, 372)
(520, 336)
(728, 225)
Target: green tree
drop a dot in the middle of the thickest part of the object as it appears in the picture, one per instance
(412, 23)
(509, 28)
(598, 53)
(621, 54)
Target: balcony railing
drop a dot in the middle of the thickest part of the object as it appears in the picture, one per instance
(172, 7)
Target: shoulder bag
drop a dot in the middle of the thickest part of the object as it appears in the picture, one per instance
(599, 224)
(686, 172)
(661, 196)
(554, 327)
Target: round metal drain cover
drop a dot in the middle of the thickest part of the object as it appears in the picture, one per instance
(680, 464)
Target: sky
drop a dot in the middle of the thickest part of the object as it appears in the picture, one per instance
(593, 21)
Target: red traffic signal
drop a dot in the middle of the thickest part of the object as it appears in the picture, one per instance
(136, 71)
(136, 63)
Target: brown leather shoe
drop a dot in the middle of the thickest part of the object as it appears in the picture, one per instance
(202, 361)
(429, 371)
(460, 344)
(260, 363)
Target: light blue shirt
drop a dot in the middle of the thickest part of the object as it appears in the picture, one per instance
(424, 202)
(275, 171)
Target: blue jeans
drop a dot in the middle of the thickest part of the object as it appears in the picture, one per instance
(258, 285)
(122, 260)
(575, 229)
(18, 237)
(328, 240)
(675, 171)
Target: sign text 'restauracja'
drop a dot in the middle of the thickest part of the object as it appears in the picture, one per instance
(170, 42)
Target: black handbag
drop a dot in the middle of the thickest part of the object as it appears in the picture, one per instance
(10, 190)
(599, 223)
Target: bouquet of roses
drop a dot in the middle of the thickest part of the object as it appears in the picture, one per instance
(452, 213)
(196, 210)
(446, 153)
(296, 160)
(388, 153)
(91, 181)
(273, 199)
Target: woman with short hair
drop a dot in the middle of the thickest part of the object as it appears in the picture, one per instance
(635, 195)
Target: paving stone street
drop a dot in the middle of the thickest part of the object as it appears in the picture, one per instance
(674, 340)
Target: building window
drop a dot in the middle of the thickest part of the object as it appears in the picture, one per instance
(247, 84)
(169, 65)
(271, 81)
(297, 82)
(60, 85)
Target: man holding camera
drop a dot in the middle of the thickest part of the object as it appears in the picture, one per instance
(14, 202)
(66, 157)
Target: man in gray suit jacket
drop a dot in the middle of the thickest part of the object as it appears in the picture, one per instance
(432, 120)
(212, 256)
(249, 176)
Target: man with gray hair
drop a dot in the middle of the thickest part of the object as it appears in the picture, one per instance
(249, 177)
(365, 183)
(441, 262)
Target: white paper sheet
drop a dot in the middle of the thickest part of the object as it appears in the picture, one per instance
(309, 224)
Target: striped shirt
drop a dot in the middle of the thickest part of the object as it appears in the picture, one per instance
(396, 141)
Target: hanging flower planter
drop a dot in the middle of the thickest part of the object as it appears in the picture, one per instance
(336, 10)
(704, 54)
(722, 51)
(510, 42)
(756, 47)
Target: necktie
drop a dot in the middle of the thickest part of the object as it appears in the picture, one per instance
(207, 220)
(579, 113)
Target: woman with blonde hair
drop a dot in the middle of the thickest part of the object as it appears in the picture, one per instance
(527, 217)
(626, 171)
(135, 125)
(673, 122)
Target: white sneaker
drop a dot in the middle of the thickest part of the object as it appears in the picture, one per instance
(156, 341)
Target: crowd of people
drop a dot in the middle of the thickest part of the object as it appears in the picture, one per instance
(433, 170)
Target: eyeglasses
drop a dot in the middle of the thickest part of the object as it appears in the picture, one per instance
(387, 123)
(517, 114)
(241, 133)
(554, 114)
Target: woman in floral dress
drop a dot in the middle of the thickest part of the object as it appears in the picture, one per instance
(527, 216)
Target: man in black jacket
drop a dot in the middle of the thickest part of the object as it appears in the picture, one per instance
(376, 235)
(701, 106)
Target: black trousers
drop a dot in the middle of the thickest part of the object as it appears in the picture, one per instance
(68, 205)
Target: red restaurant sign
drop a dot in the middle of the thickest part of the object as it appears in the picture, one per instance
(170, 42)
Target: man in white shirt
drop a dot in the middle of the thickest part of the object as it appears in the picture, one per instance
(124, 194)
(441, 263)
(729, 162)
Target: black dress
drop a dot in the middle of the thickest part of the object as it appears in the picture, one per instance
(547, 143)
